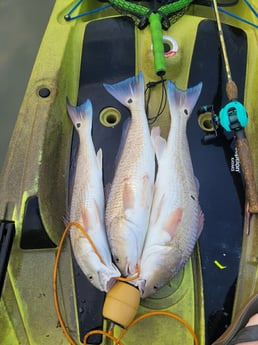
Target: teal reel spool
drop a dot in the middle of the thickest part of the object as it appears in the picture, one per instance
(233, 116)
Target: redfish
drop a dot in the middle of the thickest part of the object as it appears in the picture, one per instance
(87, 205)
(129, 201)
(176, 219)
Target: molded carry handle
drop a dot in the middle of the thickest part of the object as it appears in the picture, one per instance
(157, 43)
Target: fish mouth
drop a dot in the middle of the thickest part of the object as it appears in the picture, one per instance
(107, 280)
(110, 283)
(140, 285)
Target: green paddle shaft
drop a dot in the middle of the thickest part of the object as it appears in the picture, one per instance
(157, 43)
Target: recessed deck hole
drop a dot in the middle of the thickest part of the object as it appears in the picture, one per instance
(110, 117)
(44, 92)
(205, 122)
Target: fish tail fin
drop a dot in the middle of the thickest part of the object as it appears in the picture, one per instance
(183, 100)
(128, 91)
(81, 116)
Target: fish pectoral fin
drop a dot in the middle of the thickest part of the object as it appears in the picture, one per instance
(158, 142)
(173, 221)
(128, 196)
(98, 217)
(147, 191)
(85, 219)
(91, 218)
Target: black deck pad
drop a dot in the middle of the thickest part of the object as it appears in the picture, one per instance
(108, 56)
(221, 188)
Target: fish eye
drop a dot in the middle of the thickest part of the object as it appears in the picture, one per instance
(186, 111)
(116, 259)
(78, 125)
(90, 277)
(155, 288)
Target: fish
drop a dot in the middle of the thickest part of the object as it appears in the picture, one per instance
(87, 205)
(176, 219)
(130, 195)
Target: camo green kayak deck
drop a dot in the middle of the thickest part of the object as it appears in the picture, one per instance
(74, 60)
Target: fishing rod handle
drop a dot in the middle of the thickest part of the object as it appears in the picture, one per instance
(231, 90)
(248, 172)
(157, 43)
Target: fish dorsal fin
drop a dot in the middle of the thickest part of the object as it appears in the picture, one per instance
(158, 142)
(128, 196)
(145, 191)
(173, 221)
(100, 159)
(201, 222)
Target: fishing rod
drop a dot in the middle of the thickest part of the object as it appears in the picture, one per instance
(233, 117)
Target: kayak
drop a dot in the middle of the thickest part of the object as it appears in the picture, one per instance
(85, 45)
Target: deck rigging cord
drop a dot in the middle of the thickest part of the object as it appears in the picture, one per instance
(163, 100)
(233, 117)
(109, 333)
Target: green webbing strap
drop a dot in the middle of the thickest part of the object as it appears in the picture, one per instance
(155, 19)
(174, 6)
(139, 10)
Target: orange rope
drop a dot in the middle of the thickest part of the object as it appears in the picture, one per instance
(117, 341)
(107, 334)
(58, 254)
(129, 279)
(56, 303)
(81, 228)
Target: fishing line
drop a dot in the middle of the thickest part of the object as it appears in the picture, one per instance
(162, 103)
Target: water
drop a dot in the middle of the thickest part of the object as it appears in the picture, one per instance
(22, 24)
